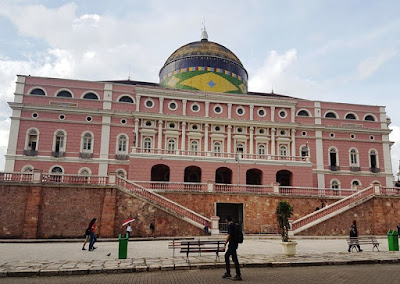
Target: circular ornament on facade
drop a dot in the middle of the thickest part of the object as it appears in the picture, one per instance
(352, 136)
(282, 132)
(61, 117)
(148, 123)
(218, 109)
(123, 121)
(195, 127)
(35, 115)
(240, 130)
(261, 131)
(282, 113)
(172, 125)
(240, 111)
(261, 112)
(149, 103)
(371, 137)
(304, 133)
(217, 128)
(332, 135)
(195, 107)
(173, 105)
(88, 118)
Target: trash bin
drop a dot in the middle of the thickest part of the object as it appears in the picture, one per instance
(123, 247)
(393, 240)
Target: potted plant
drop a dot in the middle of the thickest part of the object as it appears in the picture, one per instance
(283, 212)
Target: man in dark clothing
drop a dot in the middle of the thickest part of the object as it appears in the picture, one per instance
(354, 235)
(232, 247)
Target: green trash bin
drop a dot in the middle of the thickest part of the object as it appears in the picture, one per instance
(393, 240)
(123, 247)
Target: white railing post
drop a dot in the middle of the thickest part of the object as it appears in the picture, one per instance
(214, 225)
(377, 187)
(210, 186)
(37, 175)
(275, 185)
(290, 232)
(112, 178)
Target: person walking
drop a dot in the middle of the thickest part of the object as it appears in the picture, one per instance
(93, 238)
(87, 233)
(354, 235)
(128, 230)
(232, 242)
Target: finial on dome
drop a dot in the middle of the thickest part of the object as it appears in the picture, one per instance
(204, 35)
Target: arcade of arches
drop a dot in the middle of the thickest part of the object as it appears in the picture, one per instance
(223, 175)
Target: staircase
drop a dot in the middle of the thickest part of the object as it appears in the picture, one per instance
(161, 202)
(332, 210)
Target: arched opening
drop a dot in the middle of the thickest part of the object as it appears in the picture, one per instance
(254, 177)
(192, 174)
(284, 177)
(160, 173)
(223, 175)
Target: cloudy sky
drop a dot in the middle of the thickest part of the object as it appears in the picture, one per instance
(344, 50)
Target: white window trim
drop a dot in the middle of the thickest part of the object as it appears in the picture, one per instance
(63, 149)
(265, 112)
(220, 106)
(337, 156)
(37, 87)
(334, 112)
(117, 144)
(27, 138)
(242, 108)
(197, 104)
(357, 164)
(376, 155)
(147, 100)
(82, 142)
(84, 169)
(83, 94)
(55, 166)
(64, 89)
(169, 105)
(356, 116)
(338, 183)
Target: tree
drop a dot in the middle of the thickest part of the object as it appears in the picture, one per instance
(283, 212)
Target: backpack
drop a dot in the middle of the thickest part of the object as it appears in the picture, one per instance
(87, 232)
(239, 234)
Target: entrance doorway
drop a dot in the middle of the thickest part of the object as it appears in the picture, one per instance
(235, 210)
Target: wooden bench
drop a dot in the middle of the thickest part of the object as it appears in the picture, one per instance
(363, 240)
(198, 246)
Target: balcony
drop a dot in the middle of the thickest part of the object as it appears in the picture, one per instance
(375, 170)
(85, 155)
(355, 169)
(121, 157)
(30, 153)
(58, 154)
(334, 168)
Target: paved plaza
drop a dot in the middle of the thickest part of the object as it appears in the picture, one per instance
(66, 257)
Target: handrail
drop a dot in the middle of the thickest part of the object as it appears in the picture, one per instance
(332, 208)
(161, 200)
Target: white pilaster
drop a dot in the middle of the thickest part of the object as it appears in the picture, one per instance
(137, 102)
(251, 112)
(107, 100)
(293, 114)
(161, 105)
(12, 141)
(159, 144)
(183, 143)
(229, 140)
(293, 142)
(184, 103)
(19, 89)
(105, 145)
(272, 114)
(206, 137)
(319, 155)
(229, 111)
(387, 160)
(207, 108)
(317, 113)
(273, 141)
(251, 140)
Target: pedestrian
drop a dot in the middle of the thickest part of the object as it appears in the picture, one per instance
(152, 228)
(354, 235)
(93, 238)
(87, 232)
(128, 230)
(232, 242)
(398, 228)
(206, 227)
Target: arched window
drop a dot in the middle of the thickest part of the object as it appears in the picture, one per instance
(31, 142)
(335, 184)
(194, 146)
(91, 96)
(56, 170)
(261, 151)
(283, 151)
(84, 172)
(355, 184)
(87, 143)
(330, 115)
(217, 148)
(121, 173)
(239, 149)
(65, 94)
(369, 118)
(122, 144)
(27, 169)
(59, 144)
(171, 146)
(38, 92)
(351, 116)
(126, 99)
(303, 113)
(373, 161)
(333, 161)
(353, 158)
(147, 144)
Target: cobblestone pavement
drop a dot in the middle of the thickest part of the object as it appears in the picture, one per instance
(67, 257)
(378, 273)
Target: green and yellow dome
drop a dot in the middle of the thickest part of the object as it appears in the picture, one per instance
(204, 66)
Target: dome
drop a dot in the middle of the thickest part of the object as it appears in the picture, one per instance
(206, 66)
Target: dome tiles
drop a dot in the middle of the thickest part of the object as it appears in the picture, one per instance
(204, 66)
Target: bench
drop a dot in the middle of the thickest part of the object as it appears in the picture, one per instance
(199, 246)
(364, 240)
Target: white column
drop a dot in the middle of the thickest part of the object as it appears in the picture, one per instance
(184, 103)
(161, 105)
(137, 102)
(293, 114)
(229, 111)
(317, 113)
(135, 143)
(251, 112)
(105, 145)
(19, 89)
(319, 155)
(183, 144)
(12, 141)
(387, 161)
(251, 140)
(159, 146)
(273, 141)
(206, 137)
(293, 142)
(229, 141)
(207, 107)
(107, 100)
(272, 114)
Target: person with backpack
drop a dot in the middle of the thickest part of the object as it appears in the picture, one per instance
(354, 234)
(232, 240)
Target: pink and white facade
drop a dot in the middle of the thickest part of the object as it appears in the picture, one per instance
(150, 133)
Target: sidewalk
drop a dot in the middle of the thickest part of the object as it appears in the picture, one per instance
(66, 257)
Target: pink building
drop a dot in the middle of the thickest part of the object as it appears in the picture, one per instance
(198, 125)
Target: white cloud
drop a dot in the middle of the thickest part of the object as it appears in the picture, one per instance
(370, 65)
(395, 149)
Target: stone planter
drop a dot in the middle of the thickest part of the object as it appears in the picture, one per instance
(289, 248)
